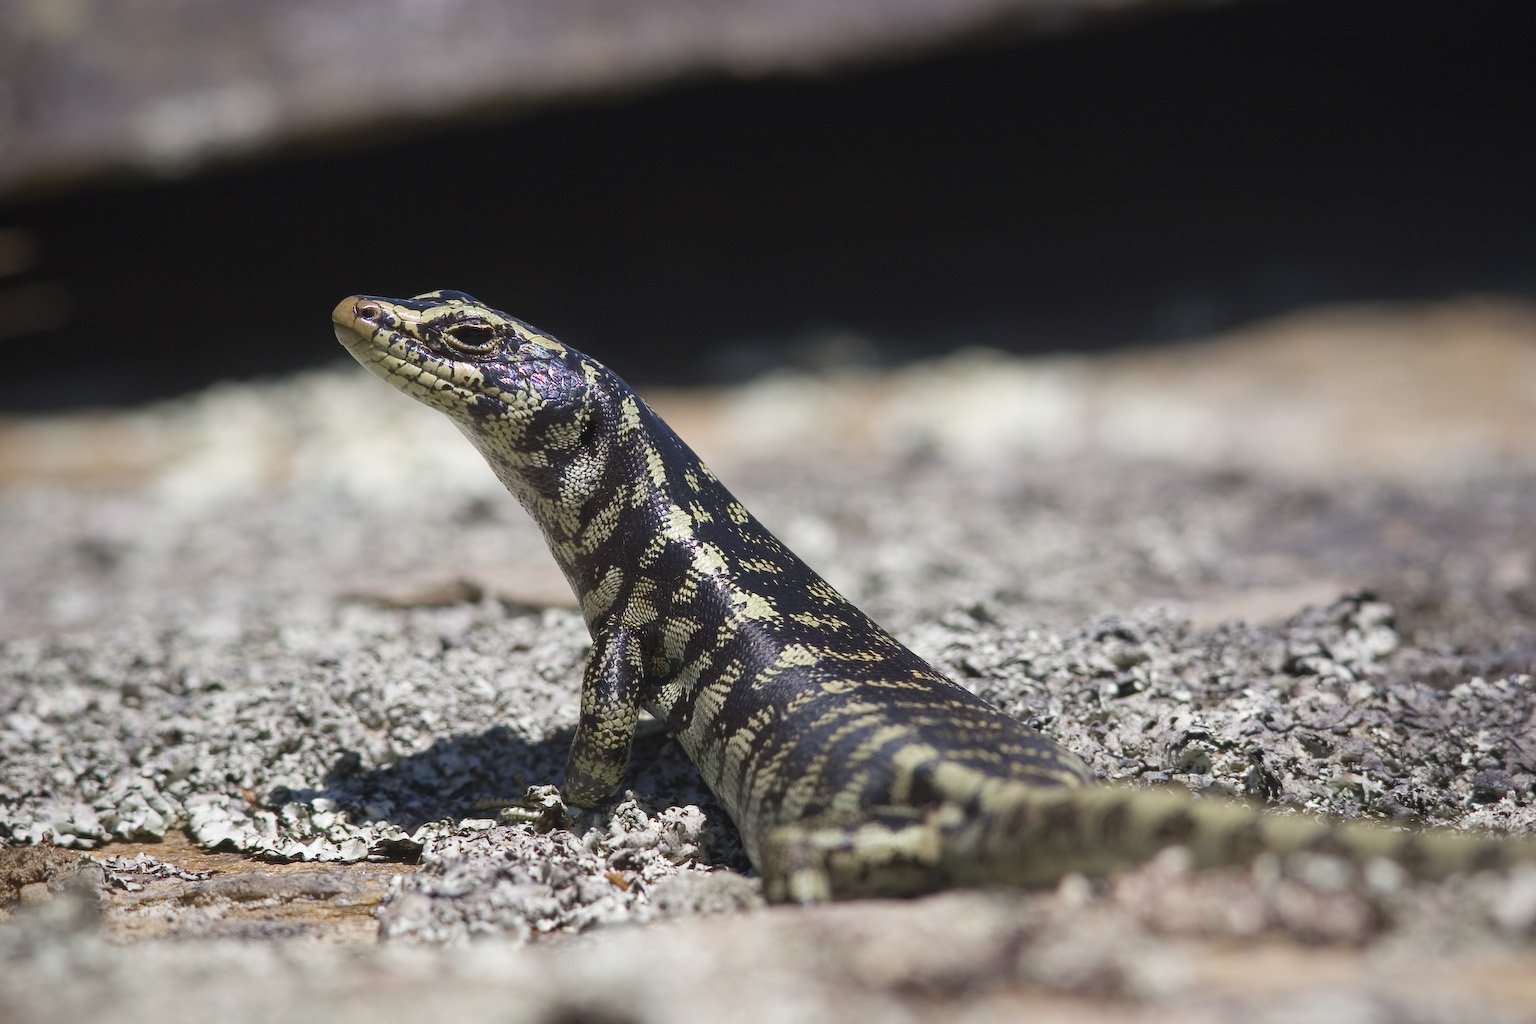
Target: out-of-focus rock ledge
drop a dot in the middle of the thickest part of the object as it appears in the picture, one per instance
(1417, 392)
(90, 87)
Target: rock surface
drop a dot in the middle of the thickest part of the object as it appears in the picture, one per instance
(299, 624)
(164, 88)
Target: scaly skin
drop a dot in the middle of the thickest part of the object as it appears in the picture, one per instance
(850, 765)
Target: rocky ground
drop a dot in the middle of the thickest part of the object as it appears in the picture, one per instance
(276, 659)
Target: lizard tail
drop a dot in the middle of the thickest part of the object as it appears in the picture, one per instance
(1033, 836)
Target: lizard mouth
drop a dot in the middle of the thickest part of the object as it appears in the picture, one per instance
(367, 329)
(359, 320)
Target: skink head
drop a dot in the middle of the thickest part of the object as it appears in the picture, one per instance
(528, 402)
(458, 355)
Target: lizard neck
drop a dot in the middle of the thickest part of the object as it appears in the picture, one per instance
(628, 509)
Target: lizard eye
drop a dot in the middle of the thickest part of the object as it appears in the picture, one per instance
(471, 338)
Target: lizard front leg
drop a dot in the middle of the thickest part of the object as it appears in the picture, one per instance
(610, 707)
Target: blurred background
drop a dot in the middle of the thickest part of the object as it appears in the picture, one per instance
(1092, 327)
(699, 191)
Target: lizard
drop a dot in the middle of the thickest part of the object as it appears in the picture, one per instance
(850, 766)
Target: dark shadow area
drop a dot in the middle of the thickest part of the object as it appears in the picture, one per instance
(1150, 179)
(474, 775)
(460, 776)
